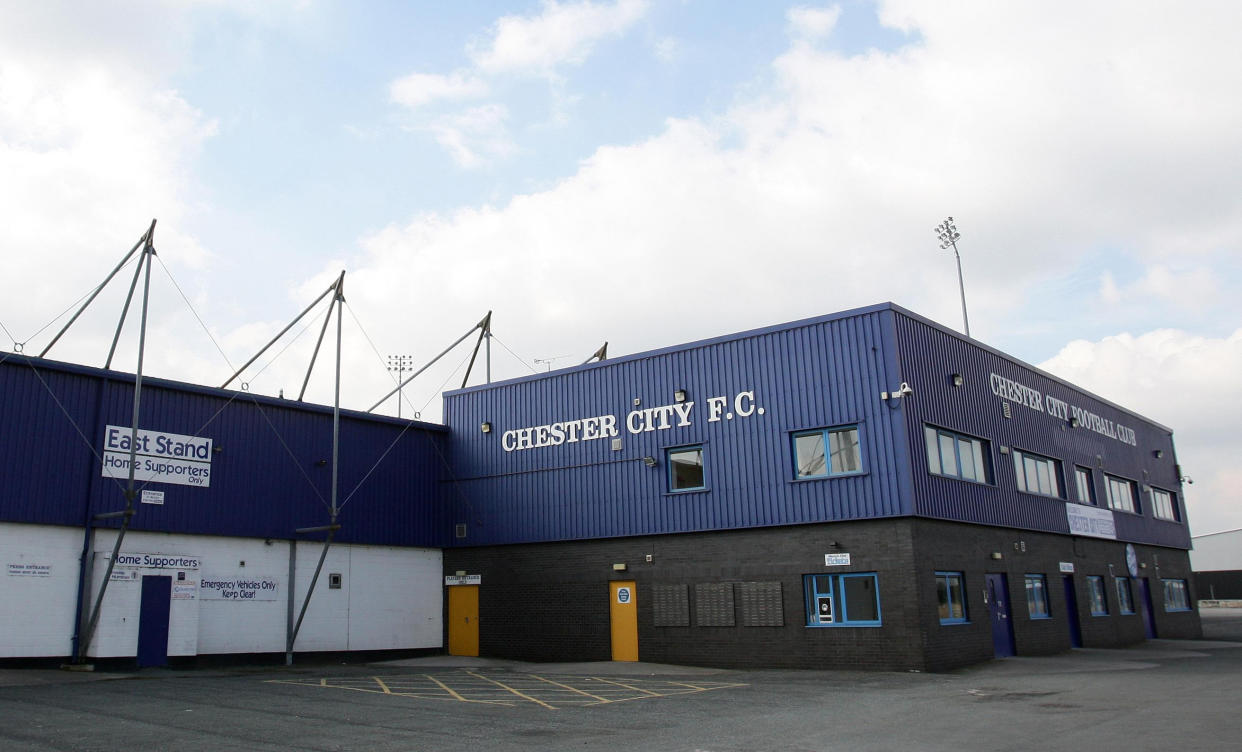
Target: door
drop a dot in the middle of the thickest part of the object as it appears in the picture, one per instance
(996, 596)
(623, 609)
(463, 620)
(1149, 614)
(153, 621)
(1071, 611)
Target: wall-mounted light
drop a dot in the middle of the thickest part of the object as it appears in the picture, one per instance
(619, 567)
(997, 556)
(217, 449)
(679, 395)
(1158, 453)
(956, 379)
(486, 427)
(649, 461)
(1004, 449)
(1074, 422)
(320, 463)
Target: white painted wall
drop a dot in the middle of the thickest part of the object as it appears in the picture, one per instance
(37, 617)
(390, 598)
(1219, 552)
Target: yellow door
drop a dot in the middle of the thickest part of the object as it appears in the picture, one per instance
(463, 620)
(624, 610)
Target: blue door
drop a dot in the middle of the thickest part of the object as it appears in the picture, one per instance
(153, 621)
(1071, 612)
(997, 599)
(1149, 615)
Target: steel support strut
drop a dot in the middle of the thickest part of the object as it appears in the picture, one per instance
(148, 252)
(338, 302)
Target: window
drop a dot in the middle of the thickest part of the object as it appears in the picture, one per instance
(685, 468)
(842, 600)
(825, 452)
(1163, 504)
(1095, 591)
(1037, 596)
(957, 456)
(1125, 598)
(1121, 496)
(1086, 489)
(952, 597)
(1176, 596)
(1036, 474)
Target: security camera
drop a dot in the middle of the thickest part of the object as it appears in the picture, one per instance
(905, 390)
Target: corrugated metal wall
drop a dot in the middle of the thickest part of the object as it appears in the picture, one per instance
(817, 373)
(930, 354)
(266, 478)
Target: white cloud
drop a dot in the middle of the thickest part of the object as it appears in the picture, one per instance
(563, 33)
(474, 136)
(821, 193)
(1185, 382)
(812, 23)
(418, 89)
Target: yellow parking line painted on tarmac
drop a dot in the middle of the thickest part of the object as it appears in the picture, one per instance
(572, 689)
(627, 686)
(550, 693)
(514, 691)
(689, 686)
(457, 696)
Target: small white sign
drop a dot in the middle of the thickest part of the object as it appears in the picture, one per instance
(1067, 567)
(836, 560)
(153, 561)
(184, 590)
(152, 497)
(624, 595)
(22, 569)
(255, 588)
(469, 579)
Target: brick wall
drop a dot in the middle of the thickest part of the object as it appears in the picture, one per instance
(549, 602)
(969, 549)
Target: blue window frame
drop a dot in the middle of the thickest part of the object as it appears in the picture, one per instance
(1125, 596)
(951, 594)
(957, 455)
(1163, 504)
(1037, 474)
(1095, 591)
(1037, 596)
(1176, 595)
(685, 468)
(842, 600)
(826, 452)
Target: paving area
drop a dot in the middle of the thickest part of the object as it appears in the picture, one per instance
(1161, 695)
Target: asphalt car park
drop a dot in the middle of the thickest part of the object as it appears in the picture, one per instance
(1159, 695)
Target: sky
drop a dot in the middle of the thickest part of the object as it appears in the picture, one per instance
(645, 173)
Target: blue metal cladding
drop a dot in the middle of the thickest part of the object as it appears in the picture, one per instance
(930, 355)
(811, 374)
(271, 472)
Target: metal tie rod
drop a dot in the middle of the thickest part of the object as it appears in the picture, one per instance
(322, 295)
(433, 361)
(102, 285)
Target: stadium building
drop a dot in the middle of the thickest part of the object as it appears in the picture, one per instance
(866, 489)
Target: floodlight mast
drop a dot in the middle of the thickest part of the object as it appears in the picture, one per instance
(947, 232)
